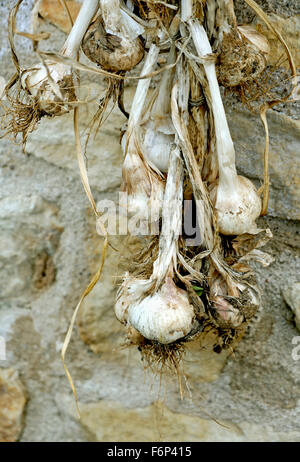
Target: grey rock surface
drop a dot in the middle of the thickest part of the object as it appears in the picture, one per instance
(291, 295)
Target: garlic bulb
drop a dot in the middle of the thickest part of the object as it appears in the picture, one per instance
(248, 50)
(226, 313)
(157, 145)
(165, 316)
(242, 51)
(144, 187)
(53, 94)
(112, 39)
(233, 301)
(236, 201)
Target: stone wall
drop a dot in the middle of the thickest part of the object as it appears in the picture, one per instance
(49, 251)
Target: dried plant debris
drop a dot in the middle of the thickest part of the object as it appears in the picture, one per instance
(185, 268)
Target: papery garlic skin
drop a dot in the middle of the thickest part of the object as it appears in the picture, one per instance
(158, 140)
(144, 186)
(164, 317)
(134, 337)
(258, 40)
(227, 313)
(52, 98)
(123, 301)
(233, 304)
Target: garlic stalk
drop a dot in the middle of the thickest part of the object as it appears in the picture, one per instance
(144, 186)
(156, 307)
(159, 129)
(85, 15)
(236, 201)
(112, 41)
(51, 83)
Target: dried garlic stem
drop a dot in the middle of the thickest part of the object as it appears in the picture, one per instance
(85, 15)
(158, 129)
(142, 88)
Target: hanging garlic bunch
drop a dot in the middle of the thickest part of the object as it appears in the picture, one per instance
(143, 185)
(112, 40)
(156, 308)
(51, 83)
(235, 198)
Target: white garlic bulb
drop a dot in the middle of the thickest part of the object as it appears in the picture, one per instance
(53, 95)
(145, 188)
(226, 312)
(237, 206)
(157, 146)
(112, 40)
(165, 316)
(158, 309)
